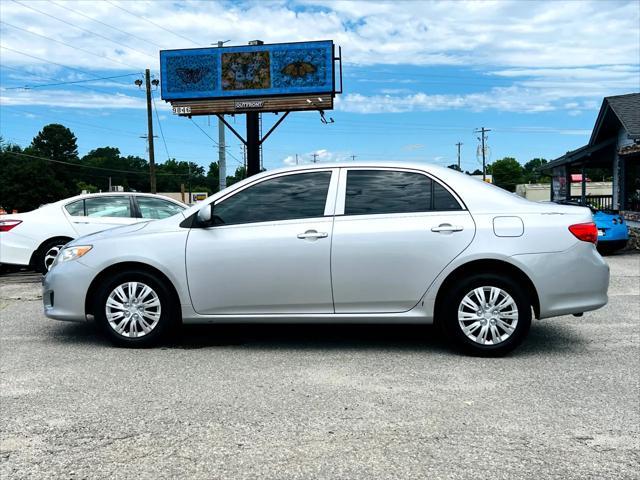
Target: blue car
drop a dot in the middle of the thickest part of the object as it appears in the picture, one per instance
(613, 233)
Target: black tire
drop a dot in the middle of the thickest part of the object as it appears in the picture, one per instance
(41, 260)
(168, 309)
(447, 318)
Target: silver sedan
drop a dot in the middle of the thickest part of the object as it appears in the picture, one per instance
(356, 242)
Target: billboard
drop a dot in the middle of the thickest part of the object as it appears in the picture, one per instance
(251, 71)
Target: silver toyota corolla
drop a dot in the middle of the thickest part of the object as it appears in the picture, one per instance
(352, 242)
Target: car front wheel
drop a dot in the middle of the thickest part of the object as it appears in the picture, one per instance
(487, 315)
(134, 309)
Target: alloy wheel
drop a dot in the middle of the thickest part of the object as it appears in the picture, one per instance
(50, 255)
(488, 315)
(133, 309)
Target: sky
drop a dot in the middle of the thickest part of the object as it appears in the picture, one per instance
(418, 76)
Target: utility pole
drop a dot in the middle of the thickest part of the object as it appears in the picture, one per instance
(459, 144)
(315, 157)
(296, 159)
(109, 183)
(152, 158)
(353, 158)
(189, 178)
(482, 139)
(222, 160)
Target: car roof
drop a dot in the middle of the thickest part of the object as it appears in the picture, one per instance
(116, 194)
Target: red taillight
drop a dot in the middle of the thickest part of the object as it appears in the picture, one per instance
(6, 225)
(587, 232)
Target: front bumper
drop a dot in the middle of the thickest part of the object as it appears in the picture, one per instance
(64, 290)
(573, 281)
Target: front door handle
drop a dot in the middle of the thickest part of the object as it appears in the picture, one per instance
(447, 227)
(81, 223)
(312, 234)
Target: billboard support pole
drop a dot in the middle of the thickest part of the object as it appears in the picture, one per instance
(253, 143)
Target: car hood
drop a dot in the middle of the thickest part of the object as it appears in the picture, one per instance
(110, 232)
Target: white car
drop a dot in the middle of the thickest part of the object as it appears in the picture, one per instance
(35, 238)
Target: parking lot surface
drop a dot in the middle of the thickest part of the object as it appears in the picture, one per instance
(321, 401)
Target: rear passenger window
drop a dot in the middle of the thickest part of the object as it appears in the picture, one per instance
(75, 209)
(109, 206)
(385, 191)
(442, 199)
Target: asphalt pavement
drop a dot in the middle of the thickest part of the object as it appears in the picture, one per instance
(309, 401)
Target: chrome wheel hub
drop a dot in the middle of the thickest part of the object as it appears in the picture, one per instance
(133, 309)
(51, 255)
(488, 315)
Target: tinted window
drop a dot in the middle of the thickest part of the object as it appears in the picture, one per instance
(76, 209)
(442, 199)
(379, 191)
(108, 206)
(157, 208)
(302, 195)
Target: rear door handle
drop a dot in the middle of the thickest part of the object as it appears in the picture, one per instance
(81, 223)
(447, 227)
(312, 234)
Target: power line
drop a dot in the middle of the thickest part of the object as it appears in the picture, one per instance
(92, 167)
(83, 29)
(216, 143)
(31, 87)
(91, 125)
(50, 78)
(151, 22)
(106, 24)
(69, 45)
(57, 64)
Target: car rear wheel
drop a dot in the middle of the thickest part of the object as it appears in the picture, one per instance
(134, 309)
(486, 314)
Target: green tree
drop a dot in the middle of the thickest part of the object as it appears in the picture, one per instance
(240, 174)
(507, 173)
(454, 167)
(42, 173)
(213, 177)
(532, 173)
(57, 142)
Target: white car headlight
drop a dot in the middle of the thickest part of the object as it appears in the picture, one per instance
(72, 253)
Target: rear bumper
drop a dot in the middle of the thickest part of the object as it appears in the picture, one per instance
(573, 281)
(64, 290)
(614, 234)
(16, 249)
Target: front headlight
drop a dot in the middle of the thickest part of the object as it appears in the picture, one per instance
(72, 253)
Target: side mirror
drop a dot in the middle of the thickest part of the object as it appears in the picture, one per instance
(205, 214)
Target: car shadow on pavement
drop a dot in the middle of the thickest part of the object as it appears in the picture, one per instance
(545, 337)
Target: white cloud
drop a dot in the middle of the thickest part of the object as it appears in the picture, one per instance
(413, 146)
(69, 99)
(507, 33)
(552, 51)
(321, 156)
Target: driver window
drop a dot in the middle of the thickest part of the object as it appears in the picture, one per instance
(300, 195)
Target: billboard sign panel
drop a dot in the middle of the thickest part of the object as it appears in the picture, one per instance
(240, 72)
